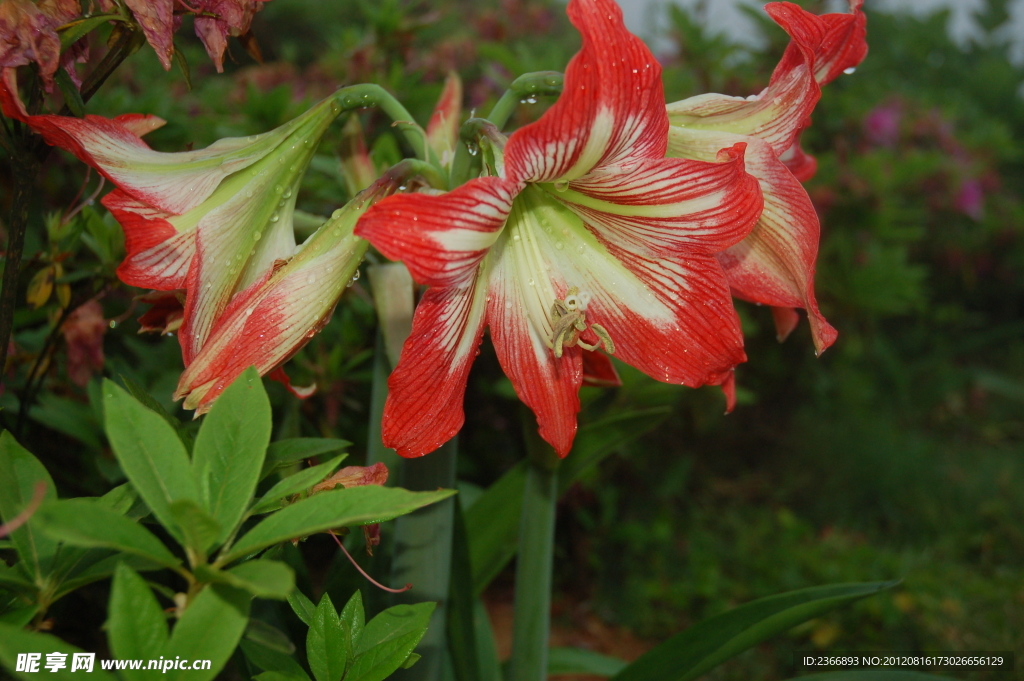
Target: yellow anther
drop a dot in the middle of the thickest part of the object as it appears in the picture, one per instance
(568, 321)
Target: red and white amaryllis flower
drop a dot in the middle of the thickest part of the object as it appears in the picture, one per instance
(586, 236)
(211, 222)
(774, 265)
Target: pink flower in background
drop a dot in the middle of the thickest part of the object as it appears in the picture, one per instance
(882, 124)
(28, 34)
(970, 199)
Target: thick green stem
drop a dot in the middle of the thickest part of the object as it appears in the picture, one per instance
(423, 554)
(532, 625)
(526, 87)
(368, 95)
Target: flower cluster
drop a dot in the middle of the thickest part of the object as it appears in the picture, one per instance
(615, 225)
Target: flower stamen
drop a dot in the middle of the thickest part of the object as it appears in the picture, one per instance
(569, 320)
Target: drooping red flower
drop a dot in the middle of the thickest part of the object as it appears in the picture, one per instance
(583, 236)
(775, 264)
(28, 33)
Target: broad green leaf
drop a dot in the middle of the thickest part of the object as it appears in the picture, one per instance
(12, 578)
(198, 527)
(707, 644)
(19, 617)
(873, 675)
(295, 483)
(86, 522)
(583, 661)
(269, 637)
(19, 473)
(209, 629)
(326, 644)
(230, 448)
(150, 454)
(286, 452)
(263, 578)
(388, 640)
(353, 619)
(102, 569)
(302, 606)
(14, 640)
(492, 523)
(280, 676)
(147, 400)
(271, 660)
(121, 499)
(327, 510)
(136, 624)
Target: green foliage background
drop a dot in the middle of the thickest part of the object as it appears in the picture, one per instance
(897, 454)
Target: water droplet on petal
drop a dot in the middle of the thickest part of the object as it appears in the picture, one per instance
(275, 217)
(850, 70)
(336, 214)
(287, 194)
(561, 185)
(311, 279)
(559, 245)
(256, 236)
(249, 311)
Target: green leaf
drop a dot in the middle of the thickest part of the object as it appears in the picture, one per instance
(19, 617)
(150, 454)
(492, 523)
(353, 619)
(137, 625)
(262, 578)
(388, 640)
(582, 661)
(327, 510)
(14, 640)
(80, 28)
(86, 522)
(19, 473)
(327, 643)
(148, 401)
(462, 643)
(12, 578)
(182, 62)
(268, 637)
(271, 660)
(72, 97)
(707, 644)
(209, 629)
(873, 675)
(286, 452)
(302, 606)
(280, 676)
(295, 483)
(411, 660)
(199, 528)
(230, 449)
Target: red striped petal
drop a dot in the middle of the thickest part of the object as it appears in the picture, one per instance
(611, 110)
(669, 205)
(441, 238)
(424, 405)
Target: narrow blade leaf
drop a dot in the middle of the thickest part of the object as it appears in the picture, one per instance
(707, 644)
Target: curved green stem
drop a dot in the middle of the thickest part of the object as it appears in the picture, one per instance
(368, 95)
(525, 87)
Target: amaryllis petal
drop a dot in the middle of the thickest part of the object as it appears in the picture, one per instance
(586, 238)
(28, 32)
(424, 405)
(598, 370)
(670, 204)
(277, 314)
(217, 19)
(441, 238)
(821, 48)
(611, 110)
(158, 255)
(774, 264)
(443, 128)
(548, 385)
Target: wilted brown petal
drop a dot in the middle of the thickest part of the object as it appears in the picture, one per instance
(157, 20)
(27, 35)
(355, 476)
(83, 332)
